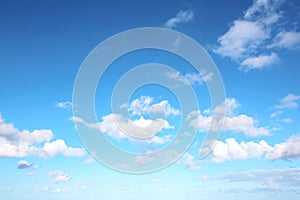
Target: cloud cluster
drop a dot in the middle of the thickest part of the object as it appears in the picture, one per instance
(16, 143)
(231, 122)
(181, 17)
(232, 150)
(145, 105)
(253, 39)
(114, 125)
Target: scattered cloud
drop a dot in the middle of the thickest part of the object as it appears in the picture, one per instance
(190, 78)
(50, 189)
(252, 39)
(57, 147)
(16, 143)
(242, 38)
(116, 126)
(287, 120)
(23, 164)
(259, 62)
(230, 122)
(154, 180)
(58, 176)
(232, 150)
(268, 180)
(190, 162)
(89, 160)
(286, 150)
(67, 105)
(287, 39)
(288, 102)
(181, 18)
(145, 105)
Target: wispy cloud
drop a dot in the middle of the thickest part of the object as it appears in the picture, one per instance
(268, 180)
(288, 102)
(190, 78)
(287, 39)
(181, 17)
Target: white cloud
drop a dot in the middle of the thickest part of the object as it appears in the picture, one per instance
(23, 164)
(248, 39)
(190, 78)
(287, 39)
(64, 105)
(232, 150)
(286, 150)
(259, 62)
(166, 108)
(236, 123)
(181, 17)
(140, 106)
(57, 147)
(190, 162)
(16, 143)
(242, 38)
(114, 125)
(145, 105)
(288, 102)
(58, 176)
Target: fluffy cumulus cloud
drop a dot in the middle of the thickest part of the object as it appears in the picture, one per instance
(181, 17)
(140, 128)
(16, 143)
(252, 39)
(119, 128)
(58, 176)
(232, 150)
(145, 105)
(23, 164)
(231, 122)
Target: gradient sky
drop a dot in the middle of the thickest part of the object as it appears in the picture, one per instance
(255, 45)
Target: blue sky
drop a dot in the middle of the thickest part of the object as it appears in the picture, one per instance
(255, 45)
